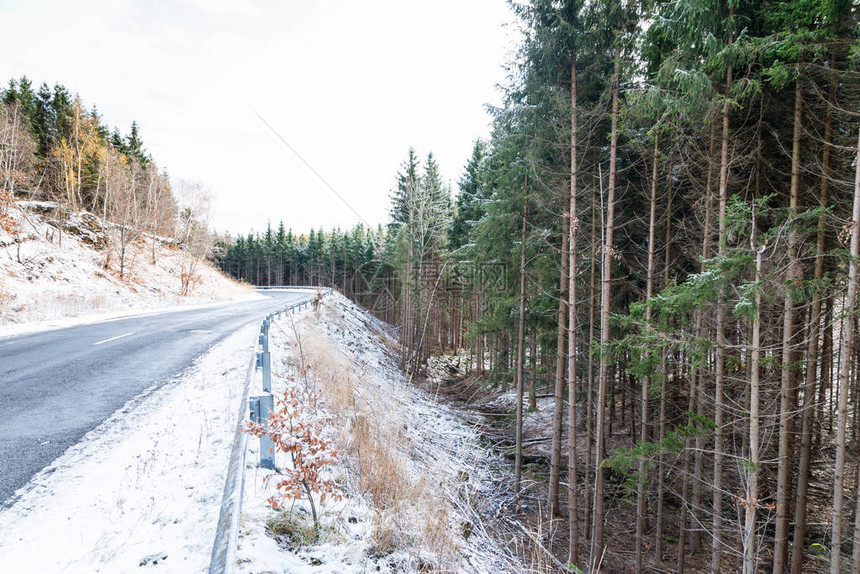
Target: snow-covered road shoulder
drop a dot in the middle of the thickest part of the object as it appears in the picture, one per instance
(144, 488)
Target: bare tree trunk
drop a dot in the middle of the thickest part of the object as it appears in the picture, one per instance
(589, 391)
(844, 381)
(597, 547)
(479, 338)
(783, 493)
(521, 347)
(664, 371)
(822, 410)
(696, 375)
(812, 356)
(751, 503)
(558, 397)
(573, 498)
(685, 492)
(646, 384)
(751, 435)
(533, 372)
(716, 525)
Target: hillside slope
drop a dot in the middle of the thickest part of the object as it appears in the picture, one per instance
(54, 267)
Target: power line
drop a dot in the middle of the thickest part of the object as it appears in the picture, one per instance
(310, 167)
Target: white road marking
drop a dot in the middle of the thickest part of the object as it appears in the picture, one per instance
(113, 338)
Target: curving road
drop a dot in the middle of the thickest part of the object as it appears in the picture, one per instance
(56, 386)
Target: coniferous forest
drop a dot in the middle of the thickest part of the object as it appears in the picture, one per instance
(662, 233)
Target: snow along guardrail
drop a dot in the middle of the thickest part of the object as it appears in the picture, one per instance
(223, 560)
(325, 290)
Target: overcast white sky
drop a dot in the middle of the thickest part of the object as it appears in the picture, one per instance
(351, 85)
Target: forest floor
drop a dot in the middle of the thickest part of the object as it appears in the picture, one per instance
(492, 410)
(494, 413)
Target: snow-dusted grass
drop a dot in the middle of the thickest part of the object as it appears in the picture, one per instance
(415, 475)
(48, 274)
(144, 488)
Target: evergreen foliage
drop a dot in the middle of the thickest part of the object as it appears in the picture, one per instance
(736, 126)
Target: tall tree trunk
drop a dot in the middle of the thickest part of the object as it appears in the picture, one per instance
(822, 409)
(646, 384)
(751, 435)
(573, 498)
(664, 373)
(697, 384)
(716, 525)
(844, 379)
(533, 371)
(812, 354)
(597, 547)
(480, 358)
(521, 346)
(596, 181)
(786, 404)
(751, 502)
(558, 404)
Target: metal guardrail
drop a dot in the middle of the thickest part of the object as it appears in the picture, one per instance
(223, 560)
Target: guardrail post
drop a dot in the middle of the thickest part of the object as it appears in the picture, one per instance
(261, 407)
(267, 371)
(264, 336)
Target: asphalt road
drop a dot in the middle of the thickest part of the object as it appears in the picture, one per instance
(56, 386)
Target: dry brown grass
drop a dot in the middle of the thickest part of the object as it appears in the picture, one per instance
(381, 475)
(410, 515)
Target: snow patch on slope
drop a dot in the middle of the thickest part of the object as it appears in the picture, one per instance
(55, 268)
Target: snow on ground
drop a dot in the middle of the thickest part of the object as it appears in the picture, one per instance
(142, 492)
(55, 268)
(418, 503)
(142, 489)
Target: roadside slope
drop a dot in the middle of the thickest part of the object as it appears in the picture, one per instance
(420, 488)
(55, 267)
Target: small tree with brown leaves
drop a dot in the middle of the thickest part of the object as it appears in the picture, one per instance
(296, 428)
(7, 222)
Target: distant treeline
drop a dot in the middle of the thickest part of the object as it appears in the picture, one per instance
(350, 260)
